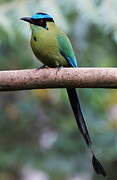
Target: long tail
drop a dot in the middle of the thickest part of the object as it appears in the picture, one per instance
(75, 104)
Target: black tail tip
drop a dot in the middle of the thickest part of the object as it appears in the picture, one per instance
(98, 167)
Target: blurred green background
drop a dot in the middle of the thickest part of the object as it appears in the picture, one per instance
(39, 139)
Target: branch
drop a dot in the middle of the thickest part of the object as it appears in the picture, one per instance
(58, 78)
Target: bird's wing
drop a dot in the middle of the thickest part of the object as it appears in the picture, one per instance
(66, 49)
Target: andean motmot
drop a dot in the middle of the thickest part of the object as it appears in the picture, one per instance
(53, 48)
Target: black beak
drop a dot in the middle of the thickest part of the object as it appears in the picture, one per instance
(27, 19)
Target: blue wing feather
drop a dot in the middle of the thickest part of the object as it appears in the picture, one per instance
(72, 61)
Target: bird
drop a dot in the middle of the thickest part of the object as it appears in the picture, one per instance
(53, 48)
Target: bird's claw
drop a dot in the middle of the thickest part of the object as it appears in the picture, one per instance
(58, 69)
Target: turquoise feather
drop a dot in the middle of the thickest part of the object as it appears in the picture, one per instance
(66, 49)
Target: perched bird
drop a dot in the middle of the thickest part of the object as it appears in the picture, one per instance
(53, 48)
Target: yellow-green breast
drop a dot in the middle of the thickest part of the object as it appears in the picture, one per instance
(45, 45)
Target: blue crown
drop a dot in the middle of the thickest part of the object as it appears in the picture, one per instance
(41, 16)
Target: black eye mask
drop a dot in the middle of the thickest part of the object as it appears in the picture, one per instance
(42, 22)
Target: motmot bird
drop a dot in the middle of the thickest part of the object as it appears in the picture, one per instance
(53, 48)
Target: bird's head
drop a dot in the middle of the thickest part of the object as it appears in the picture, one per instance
(39, 19)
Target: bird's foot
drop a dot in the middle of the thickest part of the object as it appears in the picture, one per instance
(58, 69)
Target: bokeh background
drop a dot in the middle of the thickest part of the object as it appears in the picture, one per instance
(39, 139)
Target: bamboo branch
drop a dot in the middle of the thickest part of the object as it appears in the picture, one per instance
(58, 78)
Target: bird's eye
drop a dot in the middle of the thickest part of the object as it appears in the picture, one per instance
(41, 21)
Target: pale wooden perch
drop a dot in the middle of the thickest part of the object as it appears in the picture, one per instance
(58, 78)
